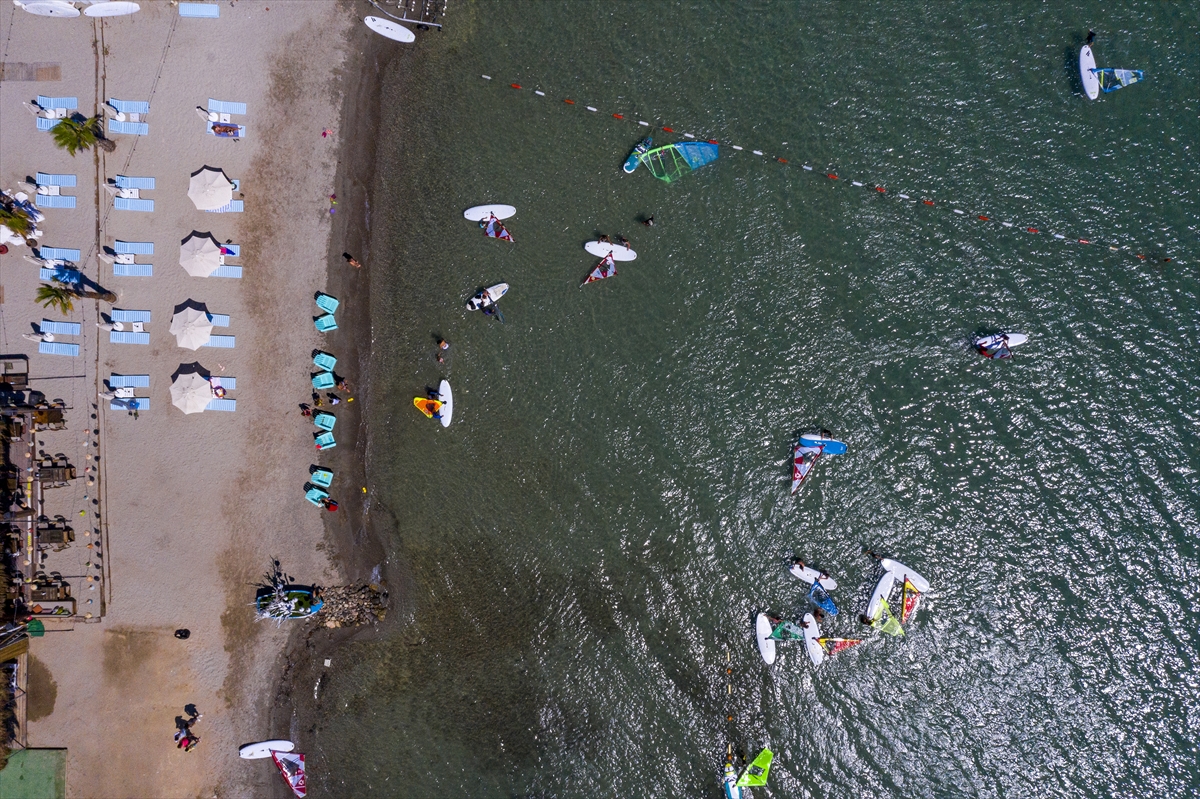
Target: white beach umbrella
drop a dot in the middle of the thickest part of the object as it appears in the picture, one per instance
(209, 189)
(199, 256)
(191, 393)
(191, 328)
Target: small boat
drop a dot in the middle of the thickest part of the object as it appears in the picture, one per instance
(606, 268)
(999, 345)
(283, 602)
(291, 768)
(488, 296)
(803, 459)
(635, 157)
(427, 406)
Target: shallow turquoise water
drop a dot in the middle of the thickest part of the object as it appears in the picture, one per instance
(582, 551)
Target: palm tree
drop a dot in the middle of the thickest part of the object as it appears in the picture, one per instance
(76, 133)
(63, 295)
(58, 297)
(16, 221)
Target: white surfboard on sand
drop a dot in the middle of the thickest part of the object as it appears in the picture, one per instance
(482, 212)
(385, 27)
(447, 398)
(1087, 62)
(115, 8)
(264, 749)
(603, 248)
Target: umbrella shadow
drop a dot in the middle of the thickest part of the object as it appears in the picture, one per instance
(193, 368)
(193, 304)
(196, 234)
(207, 168)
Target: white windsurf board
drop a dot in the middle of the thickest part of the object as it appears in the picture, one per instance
(482, 212)
(1087, 62)
(447, 398)
(901, 571)
(809, 575)
(264, 749)
(603, 248)
(812, 632)
(882, 589)
(766, 644)
(385, 27)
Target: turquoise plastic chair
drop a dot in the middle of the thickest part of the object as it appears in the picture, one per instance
(315, 495)
(321, 477)
(327, 303)
(325, 323)
(323, 420)
(323, 380)
(324, 441)
(324, 360)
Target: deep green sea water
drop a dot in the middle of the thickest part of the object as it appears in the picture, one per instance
(578, 559)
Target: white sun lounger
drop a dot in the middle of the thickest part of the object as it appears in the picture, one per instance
(231, 207)
(46, 124)
(129, 106)
(129, 381)
(227, 271)
(59, 328)
(221, 405)
(58, 348)
(223, 381)
(219, 319)
(133, 270)
(200, 10)
(69, 103)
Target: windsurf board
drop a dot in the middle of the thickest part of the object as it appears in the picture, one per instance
(901, 571)
(603, 248)
(385, 27)
(810, 575)
(263, 749)
(482, 212)
(812, 635)
(447, 398)
(766, 644)
(1087, 62)
(829, 446)
(884, 587)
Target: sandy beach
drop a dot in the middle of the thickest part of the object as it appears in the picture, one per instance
(187, 510)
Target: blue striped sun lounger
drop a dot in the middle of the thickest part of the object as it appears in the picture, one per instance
(325, 323)
(59, 328)
(323, 380)
(122, 315)
(130, 404)
(53, 201)
(134, 247)
(315, 495)
(323, 360)
(219, 319)
(58, 348)
(129, 381)
(223, 107)
(224, 382)
(221, 405)
(48, 179)
(200, 10)
(130, 204)
(322, 478)
(325, 421)
(133, 128)
(232, 250)
(59, 254)
(224, 342)
(62, 274)
(324, 440)
(69, 103)
(127, 337)
(133, 270)
(231, 207)
(327, 303)
(129, 106)
(46, 124)
(228, 270)
(125, 182)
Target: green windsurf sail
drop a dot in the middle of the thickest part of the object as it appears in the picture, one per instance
(673, 161)
(756, 773)
(890, 625)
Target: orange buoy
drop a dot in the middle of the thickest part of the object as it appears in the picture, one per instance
(927, 202)
(713, 141)
(984, 219)
(781, 160)
(617, 116)
(880, 189)
(569, 101)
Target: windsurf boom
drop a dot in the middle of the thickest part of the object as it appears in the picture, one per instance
(673, 161)
(1113, 79)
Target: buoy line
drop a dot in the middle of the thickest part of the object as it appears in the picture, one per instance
(912, 197)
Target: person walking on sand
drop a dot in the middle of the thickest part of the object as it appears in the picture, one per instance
(350, 259)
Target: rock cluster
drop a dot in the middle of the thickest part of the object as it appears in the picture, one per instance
(352, 605)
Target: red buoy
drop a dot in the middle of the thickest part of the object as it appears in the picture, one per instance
(879, 189)
(515, 85)
(617, 116)
(668, 130)
(713, 141)
(927, 202)
(569, 101)
(831, 176)
(782, 160)
(984, 219)
(1032, 229)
